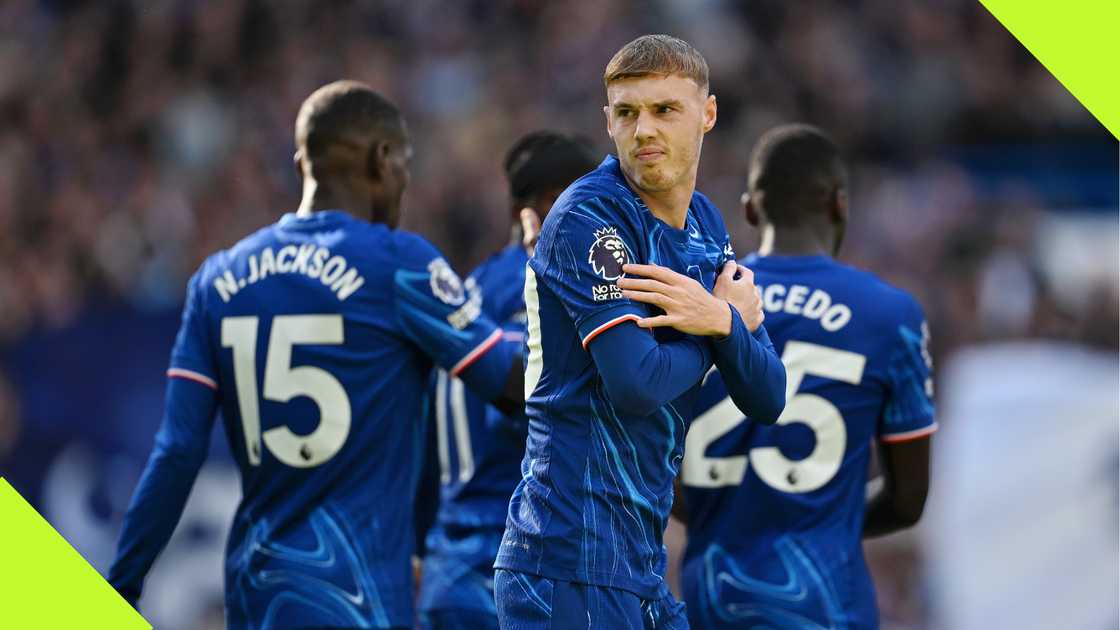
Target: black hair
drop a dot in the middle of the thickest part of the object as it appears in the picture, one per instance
(546, 160)
(341, 113)
(798, 168)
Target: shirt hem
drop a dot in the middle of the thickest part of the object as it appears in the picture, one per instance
(592, 578)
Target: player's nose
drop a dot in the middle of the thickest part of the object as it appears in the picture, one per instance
(645, 126)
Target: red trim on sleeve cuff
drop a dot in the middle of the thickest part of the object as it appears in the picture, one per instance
(193, 376)
(895, 438)
(476, 354)
(607, 325)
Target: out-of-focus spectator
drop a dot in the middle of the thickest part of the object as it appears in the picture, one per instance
(10, 423)
(141, 136)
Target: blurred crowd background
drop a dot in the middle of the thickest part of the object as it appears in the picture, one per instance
(138, 137)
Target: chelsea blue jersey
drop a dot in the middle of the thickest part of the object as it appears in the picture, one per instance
(776, 512)
(597, 483)
(478, 453)
(478, 447)
(319, 334)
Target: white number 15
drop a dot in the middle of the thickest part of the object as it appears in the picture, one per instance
(282, 382)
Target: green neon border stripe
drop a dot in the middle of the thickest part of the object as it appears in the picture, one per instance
(1077, 42)
(45, 583)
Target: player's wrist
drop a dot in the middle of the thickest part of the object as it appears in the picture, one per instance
(723, 321)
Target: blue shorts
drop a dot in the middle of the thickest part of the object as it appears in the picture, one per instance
(530, 602)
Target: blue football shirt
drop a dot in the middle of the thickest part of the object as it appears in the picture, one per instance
(597, 483)
(776, 512)
(478, 453)
(318, 334)
(478, 447)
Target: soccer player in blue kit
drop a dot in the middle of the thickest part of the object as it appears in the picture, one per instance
(478, 447)
(315, 337)
(776, 514)
(607, 397)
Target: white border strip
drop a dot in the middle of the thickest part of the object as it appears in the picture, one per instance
(478, 351)
(602, 327)
(909, 435)
(193, 376)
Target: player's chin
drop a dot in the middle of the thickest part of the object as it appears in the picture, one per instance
(653, 180)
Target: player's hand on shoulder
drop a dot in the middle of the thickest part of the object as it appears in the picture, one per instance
(688, 306)
(741, 292)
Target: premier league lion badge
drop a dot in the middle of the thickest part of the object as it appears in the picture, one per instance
(607, 254)
(445, 283)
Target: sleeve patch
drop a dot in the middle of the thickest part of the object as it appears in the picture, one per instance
(607, 254)
(445, 283)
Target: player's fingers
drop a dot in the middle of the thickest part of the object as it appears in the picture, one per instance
(728, 271)
(668, 276)
(642, 284)
(647, 297)
(745, 274)
(656, 322)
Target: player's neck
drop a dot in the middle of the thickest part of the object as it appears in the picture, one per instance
(790, 242)
(307, 201)
(317, 198)
(670, 206)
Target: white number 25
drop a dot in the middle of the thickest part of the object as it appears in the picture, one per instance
(282, 382)
(773, 468)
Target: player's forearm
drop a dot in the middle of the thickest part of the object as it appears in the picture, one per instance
(902, 500)
(886, 515)
(642, 375)
(895, 507)
(752, 371)
(164, 486)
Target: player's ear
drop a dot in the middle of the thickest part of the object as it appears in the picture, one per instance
(749, 211)
(376, 159)
(839, 209)
(709, 113)
(607, 114)
(297, 161)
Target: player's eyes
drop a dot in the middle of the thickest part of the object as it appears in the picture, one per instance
(664, 109)
(625, 113)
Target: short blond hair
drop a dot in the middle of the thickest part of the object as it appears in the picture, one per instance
(657, 54)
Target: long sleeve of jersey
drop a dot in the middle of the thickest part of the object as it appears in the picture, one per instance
(443, 316)
(157, 504)
(752, 371)
(642, 375)
(180, 448)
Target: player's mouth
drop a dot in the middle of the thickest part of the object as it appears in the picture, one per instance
(649, 154)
